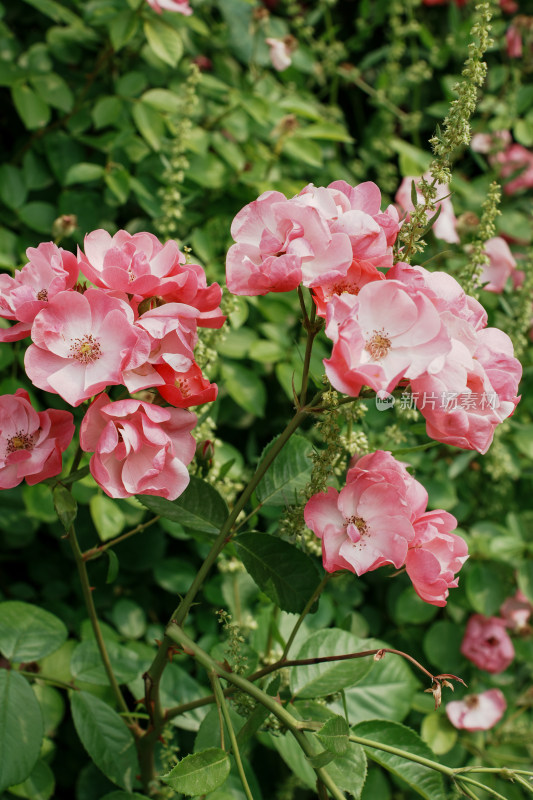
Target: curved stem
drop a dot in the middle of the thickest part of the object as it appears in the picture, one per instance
(221, 702)
(96, 552)
(91, 610)
(314, 597)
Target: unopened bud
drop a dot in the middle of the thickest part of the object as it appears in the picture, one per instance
(64, 225)
(205, 451)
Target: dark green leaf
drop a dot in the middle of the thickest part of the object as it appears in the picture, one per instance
(122, 28)
(199, 508)
(423, 780)
(39, 785)
(106, 738)
(112, 567)
(442, 643)
(319, 680)
(83, 172)
(334, 735)
(199, 773)
(54, 91)
(33, 111)
(28, 632)
(288, 474)
(12, 188)
(86, 664)
(488, 583)
(149, 123)
(244, 387)
(21, 729)
(282, 571)
(39, 216)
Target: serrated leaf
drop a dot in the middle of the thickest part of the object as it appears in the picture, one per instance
(282, 571)
(423, 780)
(199, 508)
(86, 663)
(28, 632)
(106, 738)
(289, 473)
(334, 735)
(319, 680)
(21, 729)
(199, 773)
(164, 40)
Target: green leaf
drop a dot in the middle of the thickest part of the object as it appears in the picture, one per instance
(28, 632)
(106, 738)
(83, 172)
(442, 646)
(54, 91)
(304, 151)
(199, 508)
(107, 517)
(525, 579)
(150, 124)
(129, 618)
(334, 735)
(164, 40)
(86, 663)
(56, 11)
(438, 732)
(123, 796)
(39, 216)
(112, 567)
(488, 583)
(319, 680)
(282, 571)
(244, 387)
(174, 575)
(65, 505)
(13, 191)
(32, 110)
(118, 180)
(122, 28)
(39, 785)
(52, 706)
(21, 728)
(385, 692)
(176, 683)
(289, 473)
(107, 111)
(423, 780)
(163, 100)
(199, 773)
(325, 130)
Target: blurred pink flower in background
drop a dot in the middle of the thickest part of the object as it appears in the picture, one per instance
(445, 226)
(181, 6)
(139, 448)
(489, 142)
(31, 442)
(487, 644)
(515, 159)
(516, 612)
(513, 37)
(280, 52)
(500, 267)
(477, 712)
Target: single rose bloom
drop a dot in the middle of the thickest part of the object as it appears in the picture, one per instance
(364, 526)
(395, 472)
(500, 267)
(445, 226)
(385, 333)
(50, 270)
(359, 274)
(516, 612)
(180, 6)
(435, 556)
(139, 448)
(477, 712)
(83, 343)
(487, 644)
(187, 388)
(31, 442)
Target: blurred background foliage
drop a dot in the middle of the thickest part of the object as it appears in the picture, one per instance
(117, 117)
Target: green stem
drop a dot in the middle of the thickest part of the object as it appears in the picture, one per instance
(478, 785)
(91, 610)
(96, 552)
(36, 676)
(396, 751)
(176, 634)
(312, 329)
(221, 702)
(314, 597)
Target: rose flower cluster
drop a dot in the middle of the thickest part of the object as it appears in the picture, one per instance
(135, 327)
(408, 326)
(380, 518)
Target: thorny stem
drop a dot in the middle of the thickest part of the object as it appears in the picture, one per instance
(96, 552)
(221, 703)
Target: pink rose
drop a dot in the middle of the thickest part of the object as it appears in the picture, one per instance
(487, 644)
(138, 448)
(83, 343)
(359, 273)
(490, 142)
(435, 556)
(500, 267)
(395, 472)
(280, 53)
(445, 227)
(477, 712)
(50, 270)
(180, 6)
(516, 612)
(31, 442)
(186, 388)
(385, 333)
(515, 159)
(513, 38)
